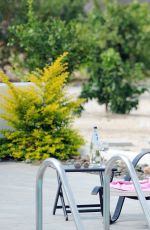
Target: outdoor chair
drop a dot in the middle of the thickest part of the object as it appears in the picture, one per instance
(121, 193)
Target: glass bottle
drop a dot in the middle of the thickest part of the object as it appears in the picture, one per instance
(95, 148)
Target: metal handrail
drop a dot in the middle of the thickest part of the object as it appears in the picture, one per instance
(140, 194)
(39, 198)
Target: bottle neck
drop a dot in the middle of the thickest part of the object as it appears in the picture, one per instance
(95, 137)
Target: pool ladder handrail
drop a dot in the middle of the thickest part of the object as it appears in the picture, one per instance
(140, 194)
(51, 162)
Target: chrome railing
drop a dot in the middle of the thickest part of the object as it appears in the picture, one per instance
(136, 184)
(39, 191)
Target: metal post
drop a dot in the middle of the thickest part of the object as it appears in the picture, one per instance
(39, 185)
(136, 184)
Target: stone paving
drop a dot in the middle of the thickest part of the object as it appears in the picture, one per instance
(17, 201)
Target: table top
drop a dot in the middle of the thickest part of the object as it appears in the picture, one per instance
(91, 168)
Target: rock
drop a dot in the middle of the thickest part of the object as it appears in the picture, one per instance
(139, 168)
(86, 165)
(68, 162)
(36, 162)
(72, 161)
(77, 165)
(147, 170)
(28, 161)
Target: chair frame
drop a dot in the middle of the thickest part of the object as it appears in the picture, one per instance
(121, 199)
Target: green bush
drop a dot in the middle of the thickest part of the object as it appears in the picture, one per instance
(41, 117)
(120, 37)
(14, 12)
(42, 42)
(64, 9)
(11, 11)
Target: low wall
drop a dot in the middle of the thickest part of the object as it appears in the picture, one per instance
(4, 91)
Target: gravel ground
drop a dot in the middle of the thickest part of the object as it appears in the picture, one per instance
(132, 130)
(125, 133)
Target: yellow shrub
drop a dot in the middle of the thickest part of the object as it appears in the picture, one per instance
(41, 116)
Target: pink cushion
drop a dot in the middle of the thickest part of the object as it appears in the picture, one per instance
(128, 185)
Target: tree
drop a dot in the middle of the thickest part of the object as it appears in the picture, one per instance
(8, 16)
(66, 10)
(42, 42)
(14, 12)
(121, 36)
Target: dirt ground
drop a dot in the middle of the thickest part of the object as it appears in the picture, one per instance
(132, 131)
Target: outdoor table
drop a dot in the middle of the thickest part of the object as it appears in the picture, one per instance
(84, 207)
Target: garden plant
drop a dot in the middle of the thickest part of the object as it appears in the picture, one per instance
(41, 41)
(14, 12)
(40, 116)
(120, 37)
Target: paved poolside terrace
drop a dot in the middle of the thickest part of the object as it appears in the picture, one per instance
(17, 201)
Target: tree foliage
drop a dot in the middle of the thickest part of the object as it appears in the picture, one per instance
(66, 10)
(41, 116)
(43, 41)
(11, 11)
(119, 56)
(14, 13)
